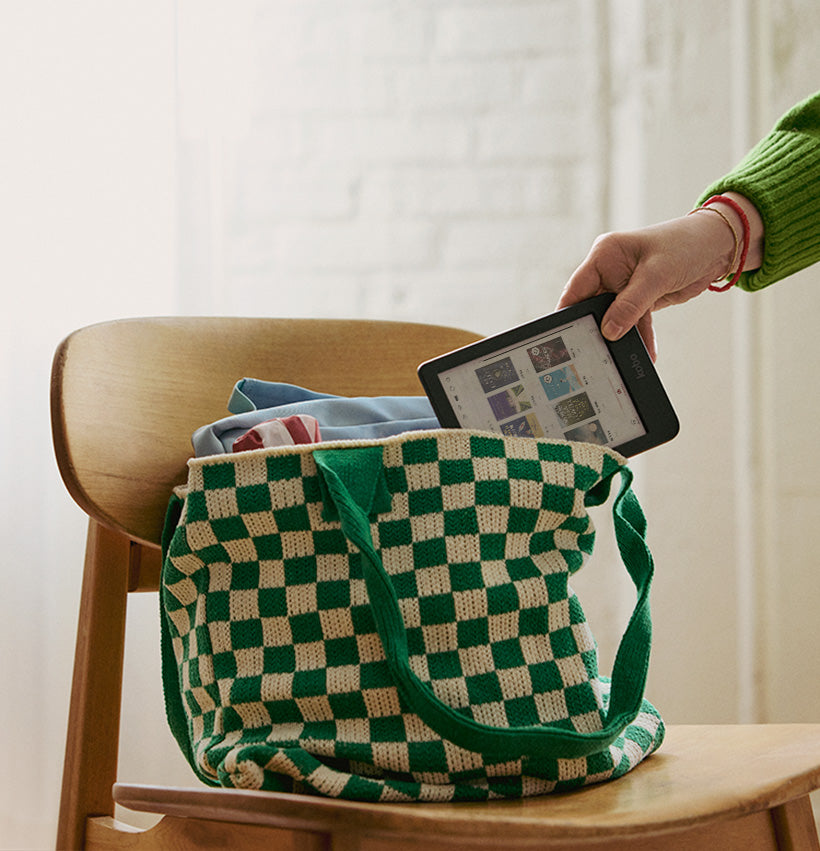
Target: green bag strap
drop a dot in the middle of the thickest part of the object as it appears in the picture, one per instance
(364, 467)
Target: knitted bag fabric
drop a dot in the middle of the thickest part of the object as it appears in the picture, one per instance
(392, 620)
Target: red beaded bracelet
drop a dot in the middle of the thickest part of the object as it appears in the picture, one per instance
(746, 238)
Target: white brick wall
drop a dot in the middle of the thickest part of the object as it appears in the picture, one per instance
(427, 160)
(452, 161)
(512, 29)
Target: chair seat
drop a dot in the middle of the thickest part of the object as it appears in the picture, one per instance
(702, 775)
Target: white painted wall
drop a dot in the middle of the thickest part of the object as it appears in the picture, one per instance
(734, 500)
(87, 233)
(784, 343)
(417, 160)
(440, 160)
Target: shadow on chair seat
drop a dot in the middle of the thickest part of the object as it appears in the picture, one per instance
(715, 787)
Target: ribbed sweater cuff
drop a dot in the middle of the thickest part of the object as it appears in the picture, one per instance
(780, 176)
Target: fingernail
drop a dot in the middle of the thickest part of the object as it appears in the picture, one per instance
(611, 331)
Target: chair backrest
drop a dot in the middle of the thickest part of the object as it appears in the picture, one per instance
(127, 395)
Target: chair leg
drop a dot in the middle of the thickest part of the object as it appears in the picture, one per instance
(90, 767)
(794, 826)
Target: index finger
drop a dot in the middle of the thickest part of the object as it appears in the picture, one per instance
(584, 283)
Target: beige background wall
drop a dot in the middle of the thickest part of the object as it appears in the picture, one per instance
(438, 160)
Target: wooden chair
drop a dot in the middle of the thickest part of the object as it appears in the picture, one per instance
(151, 382)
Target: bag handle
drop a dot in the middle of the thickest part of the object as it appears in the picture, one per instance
(362, 468)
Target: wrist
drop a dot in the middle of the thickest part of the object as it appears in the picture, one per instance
(719, 240)
(731, 211)
(754, 255)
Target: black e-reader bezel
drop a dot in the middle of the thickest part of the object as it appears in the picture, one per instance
(628, 355)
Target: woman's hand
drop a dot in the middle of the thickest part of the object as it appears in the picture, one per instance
(659, 265)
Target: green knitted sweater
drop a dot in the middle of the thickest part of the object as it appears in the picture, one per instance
(781, 177)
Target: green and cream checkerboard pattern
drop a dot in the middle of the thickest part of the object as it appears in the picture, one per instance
(296, 660)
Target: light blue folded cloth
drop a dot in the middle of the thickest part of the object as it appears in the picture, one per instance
(340, 417)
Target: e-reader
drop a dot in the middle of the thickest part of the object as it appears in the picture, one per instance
(555, 377)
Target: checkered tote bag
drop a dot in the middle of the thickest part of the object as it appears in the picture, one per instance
(392, 620)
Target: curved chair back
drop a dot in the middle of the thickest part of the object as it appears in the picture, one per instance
(127, 395)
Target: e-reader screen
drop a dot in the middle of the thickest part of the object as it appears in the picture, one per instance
(555, 377)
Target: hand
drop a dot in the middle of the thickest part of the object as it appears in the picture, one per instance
(656, 266)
